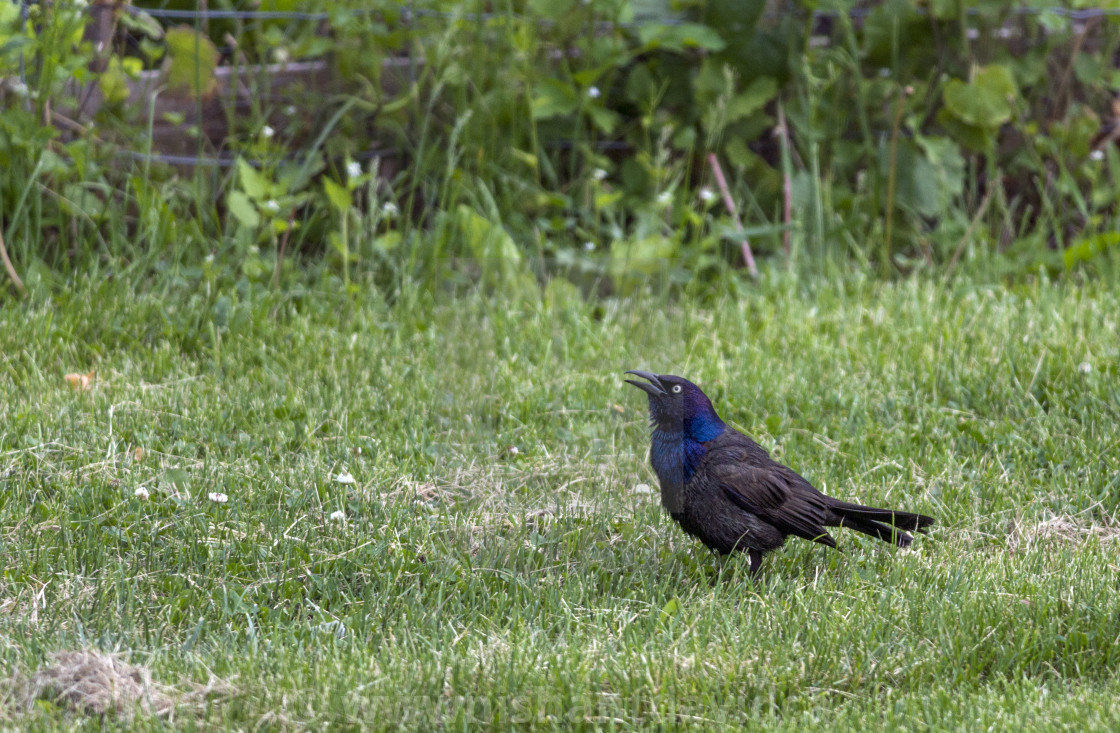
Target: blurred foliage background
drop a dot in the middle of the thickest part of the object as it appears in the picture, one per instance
(510, 143)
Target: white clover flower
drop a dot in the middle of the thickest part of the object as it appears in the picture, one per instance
(267, 131)
(513, 450)
(344, 478)
(598, 174)
(643, 489)
(338, 515)
(1097, 155)
(218, 497)
(707, 195)
(588, 246)
(1085, 367)
(281, 55)
(389, 210)
(594, 92)
(141, 493)
(664, 197)
(353, 169)
(271, 206)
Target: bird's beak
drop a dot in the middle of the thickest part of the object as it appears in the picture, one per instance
(654, 388)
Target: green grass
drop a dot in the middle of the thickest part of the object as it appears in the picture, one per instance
(470, 584)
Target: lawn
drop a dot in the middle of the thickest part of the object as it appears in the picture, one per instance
(319, 510)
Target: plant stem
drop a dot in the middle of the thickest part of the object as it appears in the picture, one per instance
(748, 257)
(891, 179)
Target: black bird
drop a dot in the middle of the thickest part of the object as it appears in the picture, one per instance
(724, 488)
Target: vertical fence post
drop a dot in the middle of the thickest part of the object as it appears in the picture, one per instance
(100, 24)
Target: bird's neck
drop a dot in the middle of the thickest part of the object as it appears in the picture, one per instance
(704, 426)
(675, 455)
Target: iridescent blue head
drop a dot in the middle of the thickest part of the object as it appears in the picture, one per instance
(676, 405)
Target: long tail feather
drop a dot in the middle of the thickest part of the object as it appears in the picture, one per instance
(884, 532)
(902, 520)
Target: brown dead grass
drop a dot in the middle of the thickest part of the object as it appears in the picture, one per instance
(90, 682)
(1061, 529)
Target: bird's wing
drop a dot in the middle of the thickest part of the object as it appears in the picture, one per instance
(768, 494)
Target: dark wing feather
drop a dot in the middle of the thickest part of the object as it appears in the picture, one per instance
(766, 493)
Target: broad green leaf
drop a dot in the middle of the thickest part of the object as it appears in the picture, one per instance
(553, 98)
(647, 255)
(948, 165)
(1086, 248)
(487, 241)
(338, 195)
(9, 15)
(641, 87)
(605, 199)
(253, 181)
(753, 98)
(1053, 22)
(684, 138)
(977, 139)
(132, 66)
(151, 50)
(739, 154)
(292, 177)
(604, 119)
(975, 106)
(141, 23)
(192, 59)
(497, 254)
(113, 82)
(986, 101)
(917, 184)
(679, 37)
(280, 225)
(242, 209)
(997, 79)
(85, 199)
(338, 244)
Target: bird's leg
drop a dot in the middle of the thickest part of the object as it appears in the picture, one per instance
(756, 562)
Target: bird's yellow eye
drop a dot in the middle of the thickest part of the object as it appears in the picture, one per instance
(676, 389)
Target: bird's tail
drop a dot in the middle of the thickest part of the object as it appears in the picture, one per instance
(885, 524)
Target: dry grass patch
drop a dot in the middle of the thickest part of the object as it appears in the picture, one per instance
(1061, 529)
(90, 682)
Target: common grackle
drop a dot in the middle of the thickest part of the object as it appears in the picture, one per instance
(724, 488)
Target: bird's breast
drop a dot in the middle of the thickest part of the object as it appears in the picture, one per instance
(675, 459)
